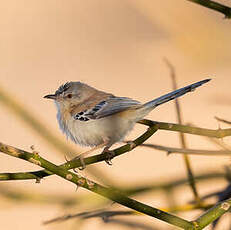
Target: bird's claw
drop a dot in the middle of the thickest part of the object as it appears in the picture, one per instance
(83, 165)
(109, 162)
(110, 155)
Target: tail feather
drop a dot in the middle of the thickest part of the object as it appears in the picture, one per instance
(147, 107)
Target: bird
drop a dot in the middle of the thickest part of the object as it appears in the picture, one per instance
(97, 119)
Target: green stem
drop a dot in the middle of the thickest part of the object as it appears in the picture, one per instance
(219, 133)
(212, 214)
(110, 193)
(77, 163)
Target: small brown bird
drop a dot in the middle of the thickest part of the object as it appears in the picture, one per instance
(98, 119)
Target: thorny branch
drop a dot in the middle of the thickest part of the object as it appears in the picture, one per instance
(109, 193)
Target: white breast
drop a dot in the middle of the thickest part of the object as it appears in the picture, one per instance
(96, 132)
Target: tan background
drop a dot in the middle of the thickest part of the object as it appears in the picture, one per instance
(116, 46)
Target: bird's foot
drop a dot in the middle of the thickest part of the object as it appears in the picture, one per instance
(83, 165)
(110, 154)
(79, 157)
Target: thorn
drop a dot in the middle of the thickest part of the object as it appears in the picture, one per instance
(76, 189)
(105, 218)
(75, 170)
(83, 165)
(109, 162)
(110, 155)
(131, 144)
(38, 180)
(66, 159)
(33, 150)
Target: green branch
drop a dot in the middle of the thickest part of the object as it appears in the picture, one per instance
(128, 147)
(219, 133)
(116, 196)
(214, 6)
(212, 214)
(109, 193)
(77, 162)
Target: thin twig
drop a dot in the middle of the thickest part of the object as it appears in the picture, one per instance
(181, 135)
(170, 150)
(214, 6)
(212, 214)
(223, 120)
(103, 214)
(220, 143)
(18, 195)
(107, 214)
(218, 133)
(172, 184)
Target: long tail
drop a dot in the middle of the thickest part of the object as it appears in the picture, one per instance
(147, 107)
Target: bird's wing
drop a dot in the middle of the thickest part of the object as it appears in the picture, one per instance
(106, 108)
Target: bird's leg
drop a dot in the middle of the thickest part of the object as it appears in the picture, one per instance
(109, 153)
(82, 155)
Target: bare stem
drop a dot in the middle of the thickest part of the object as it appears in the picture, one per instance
(212, 214)
(202, 152)
(214, 6)
(181, 135)
(219, 133)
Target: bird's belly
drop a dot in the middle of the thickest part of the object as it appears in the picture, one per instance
(95, 132)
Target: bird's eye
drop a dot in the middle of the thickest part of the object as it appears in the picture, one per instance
(69, 95)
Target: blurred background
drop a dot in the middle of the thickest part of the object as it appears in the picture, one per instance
(115, 46)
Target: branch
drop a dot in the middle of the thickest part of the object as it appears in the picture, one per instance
(101, 213)
(212, 214)
(223, 120)
(170, 150)
(106, 215)
(181, 135)
(219, 133)
(109, 193)
(214, 6)
(23, 196)
(77, 162)
(171, 184)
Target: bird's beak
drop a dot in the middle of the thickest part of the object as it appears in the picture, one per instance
(51, 96)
